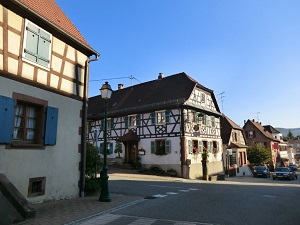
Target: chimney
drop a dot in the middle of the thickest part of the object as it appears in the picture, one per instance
(160, 76)
(244, 121)
(120, 86)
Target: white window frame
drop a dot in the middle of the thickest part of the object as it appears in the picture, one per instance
(24, 58)
(132, 121)
(160, 117)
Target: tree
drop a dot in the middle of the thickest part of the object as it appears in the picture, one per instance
(258, 155)
(118, 148)
(290, 135)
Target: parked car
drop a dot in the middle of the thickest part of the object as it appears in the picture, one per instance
(261, 171)
(293, 167)
(284, 173)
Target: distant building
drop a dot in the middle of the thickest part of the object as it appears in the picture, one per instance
(166, 123)
(256, 134)
(234, 148)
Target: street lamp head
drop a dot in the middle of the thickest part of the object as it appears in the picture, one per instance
(106, 91)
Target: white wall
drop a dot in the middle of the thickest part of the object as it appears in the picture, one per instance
(58, 163)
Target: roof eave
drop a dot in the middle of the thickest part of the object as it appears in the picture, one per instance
(59, 30)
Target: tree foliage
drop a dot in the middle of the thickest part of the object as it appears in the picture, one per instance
(258, 155)
(92, 160)
(118, 148)
(290, 135)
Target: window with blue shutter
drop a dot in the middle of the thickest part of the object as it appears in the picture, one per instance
(152, 118)
(6, 119)
(37, 44)
(167, 116)
(152, 147)
(168, 146)
(51, 126)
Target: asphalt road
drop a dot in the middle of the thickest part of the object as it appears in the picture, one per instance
(236, 201)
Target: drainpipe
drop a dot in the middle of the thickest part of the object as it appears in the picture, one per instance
(83, 125)
(182, 153)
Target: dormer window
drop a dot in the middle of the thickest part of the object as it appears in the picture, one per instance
(36, 45)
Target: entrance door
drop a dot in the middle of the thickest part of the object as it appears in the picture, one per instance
(131, 152)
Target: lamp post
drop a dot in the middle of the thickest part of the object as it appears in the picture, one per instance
(106, 92)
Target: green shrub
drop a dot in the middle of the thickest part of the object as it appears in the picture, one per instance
(93, 164)
(92, 186)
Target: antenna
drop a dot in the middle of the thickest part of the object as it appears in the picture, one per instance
(257, 117)
(222, 99)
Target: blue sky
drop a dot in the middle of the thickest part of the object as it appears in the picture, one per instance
(248, 49)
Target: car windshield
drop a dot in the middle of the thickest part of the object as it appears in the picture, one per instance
(283, 169)
(260, 168)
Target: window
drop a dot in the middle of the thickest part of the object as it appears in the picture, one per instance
(36, 186)
(202, 98)
(109, 148)
(251, 134)
(27, 121)
(160, 117)
(195, 146)
(234, 136)
(132, 121)
(109, 124)
(37, 44)
(161, 147)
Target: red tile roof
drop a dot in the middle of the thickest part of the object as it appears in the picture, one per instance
(51, 12)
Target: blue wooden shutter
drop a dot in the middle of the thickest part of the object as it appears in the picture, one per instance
(111, 147)
(43, 48)
(51, 126)
(6, 119)
(167, 116)
(168, 147)
(200, 147)
(126, 121)
(152, 117)
(111, 123)
(212, 119)
(101, 148)
(138, 119)
(152, 147)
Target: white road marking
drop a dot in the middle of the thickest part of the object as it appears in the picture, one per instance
(172, 193)
(159, 196)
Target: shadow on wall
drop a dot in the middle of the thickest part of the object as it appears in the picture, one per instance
(14, 207)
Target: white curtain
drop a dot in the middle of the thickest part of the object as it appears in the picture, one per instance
(30, 123)
(18, 120)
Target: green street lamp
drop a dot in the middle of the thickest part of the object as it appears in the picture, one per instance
(106, 92)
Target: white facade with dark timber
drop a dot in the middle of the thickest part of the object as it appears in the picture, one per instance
(43, 69)
(163, 123)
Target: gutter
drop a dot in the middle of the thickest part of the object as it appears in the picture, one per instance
(83, 126)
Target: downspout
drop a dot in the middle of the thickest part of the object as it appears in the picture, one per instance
(83, 125)
(182, 148)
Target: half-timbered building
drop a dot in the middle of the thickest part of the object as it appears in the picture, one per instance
(167, 123)
(44, 64)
